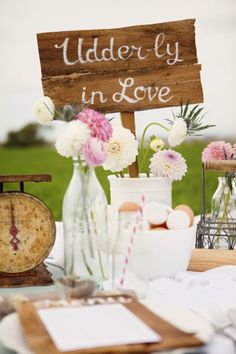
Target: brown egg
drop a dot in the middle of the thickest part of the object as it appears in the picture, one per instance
(158, 228)
(153, 226)
(128, 207)
(187, 210)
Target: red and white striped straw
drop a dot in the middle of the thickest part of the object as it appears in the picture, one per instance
(135, 227)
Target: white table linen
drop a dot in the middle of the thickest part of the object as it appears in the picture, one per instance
(194, 302)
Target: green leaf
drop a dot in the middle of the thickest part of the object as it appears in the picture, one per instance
(192, 110)
(197, 113)
(186, 109)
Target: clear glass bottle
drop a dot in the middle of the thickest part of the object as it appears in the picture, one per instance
(223, 211)
(85, 225)
(129, 258)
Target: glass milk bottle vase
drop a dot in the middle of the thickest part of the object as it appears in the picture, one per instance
(129, 259)
(223, 212)
(85, 225)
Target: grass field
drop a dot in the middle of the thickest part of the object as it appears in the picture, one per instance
(46, 160)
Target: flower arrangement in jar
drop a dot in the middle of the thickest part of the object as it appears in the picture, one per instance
(91, 140)
(223, 201)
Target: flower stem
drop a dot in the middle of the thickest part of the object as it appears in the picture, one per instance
(224, 215)
(101, 265)
(142, 141)
(221, 197)
(226, 202)
(143, 161)
(85, 193)
(95, 233)
(86, 263)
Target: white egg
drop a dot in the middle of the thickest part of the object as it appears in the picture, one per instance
(156, 213)
(178, 219)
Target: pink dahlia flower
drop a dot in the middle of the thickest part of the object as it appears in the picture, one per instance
(99, 125)
(95, 152)
(234, 149)
(217, 150)
(168, 163)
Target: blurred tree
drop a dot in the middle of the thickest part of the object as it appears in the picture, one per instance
(27, 136)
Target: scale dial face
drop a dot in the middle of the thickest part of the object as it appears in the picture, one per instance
(27, 232)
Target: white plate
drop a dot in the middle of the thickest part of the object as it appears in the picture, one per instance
(11, 334)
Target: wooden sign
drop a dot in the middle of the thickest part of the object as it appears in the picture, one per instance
(123, 69)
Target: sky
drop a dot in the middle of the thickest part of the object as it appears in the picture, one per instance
(20, 73)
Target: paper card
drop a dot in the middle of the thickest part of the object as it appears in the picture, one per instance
(74, 328)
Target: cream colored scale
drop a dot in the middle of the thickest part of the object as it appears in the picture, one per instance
(27, 232)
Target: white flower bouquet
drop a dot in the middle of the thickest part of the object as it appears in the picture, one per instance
(91, 134)
(157, 158)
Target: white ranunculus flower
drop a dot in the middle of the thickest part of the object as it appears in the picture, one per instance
(44, 110)
(178, 132)
(122, 149)
(73, 137)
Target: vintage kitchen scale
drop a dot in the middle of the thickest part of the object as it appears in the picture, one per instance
(27, 234)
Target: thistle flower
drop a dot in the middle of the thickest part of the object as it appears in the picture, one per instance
(168, 163)
(192, 117)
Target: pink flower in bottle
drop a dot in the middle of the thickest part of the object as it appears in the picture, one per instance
(95, 152)
(99, 125)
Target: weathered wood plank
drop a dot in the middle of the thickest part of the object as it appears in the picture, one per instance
(221, 166)
(205, 259)
(130, 91)
(113, 50)
(38, 276)
(25, 178)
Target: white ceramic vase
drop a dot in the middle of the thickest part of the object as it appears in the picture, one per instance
(125, 189)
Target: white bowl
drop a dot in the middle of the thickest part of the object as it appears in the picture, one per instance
(158, 254)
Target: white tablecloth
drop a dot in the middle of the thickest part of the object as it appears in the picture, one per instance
(194, 302)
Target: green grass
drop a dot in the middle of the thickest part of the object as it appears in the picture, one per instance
(46, 160)
(189, 190)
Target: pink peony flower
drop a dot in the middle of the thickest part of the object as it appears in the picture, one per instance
(95, 152)
(168, 163)
(217, 150)
(99, 125)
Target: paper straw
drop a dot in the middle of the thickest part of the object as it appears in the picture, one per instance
(135, 227)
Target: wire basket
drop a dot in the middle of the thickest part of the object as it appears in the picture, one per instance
(209, 230)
